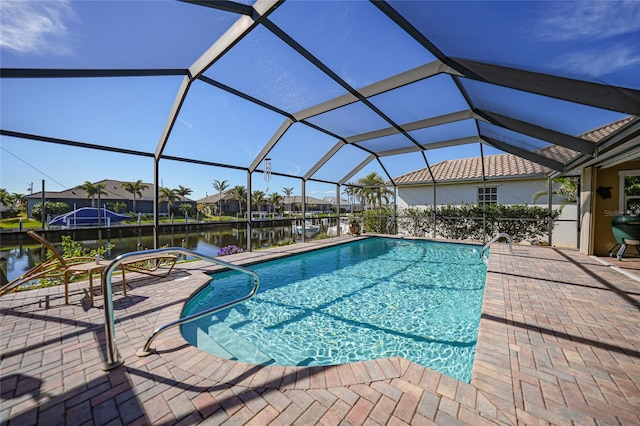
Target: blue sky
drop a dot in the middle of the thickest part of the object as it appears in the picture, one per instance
(597, 41)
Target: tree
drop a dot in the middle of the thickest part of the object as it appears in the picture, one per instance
(185, 208)
(349, 191)
(239, 193)
(51, 208)
(220, 186)
(374, 190)
(5, 197)
(567, 189)
(257, 198)
(275, 200)
(168, 195)
(135, 188)
(288, 192)
(92, 190)
(18, 201)
(117, 206)
(183, 191)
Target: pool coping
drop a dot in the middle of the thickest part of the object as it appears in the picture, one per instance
(536, 362)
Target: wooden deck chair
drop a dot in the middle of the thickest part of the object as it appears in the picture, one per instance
(59, 267)
(55, 266)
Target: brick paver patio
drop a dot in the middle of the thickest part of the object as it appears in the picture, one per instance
(559, 343)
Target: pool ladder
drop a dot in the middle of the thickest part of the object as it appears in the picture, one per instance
(113, 359)
(494, 239)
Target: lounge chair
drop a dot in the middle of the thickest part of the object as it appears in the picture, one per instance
(59, 267)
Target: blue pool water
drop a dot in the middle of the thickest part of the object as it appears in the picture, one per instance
(374, 298)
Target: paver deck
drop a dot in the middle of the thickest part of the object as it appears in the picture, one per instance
(559, 343)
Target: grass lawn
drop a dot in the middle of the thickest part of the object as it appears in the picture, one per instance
(14, 222)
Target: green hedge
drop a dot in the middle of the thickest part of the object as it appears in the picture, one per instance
(521, 222)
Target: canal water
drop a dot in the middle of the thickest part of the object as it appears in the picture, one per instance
(18, 257)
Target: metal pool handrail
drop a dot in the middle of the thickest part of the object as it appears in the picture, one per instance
(494, 239)
(113, 359)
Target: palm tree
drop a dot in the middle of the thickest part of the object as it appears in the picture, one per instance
(135, 188)
(275, 199)
(183, 191)
(117, 206)
(92, 190)
(220, 186)
(374, 190)
(257, 198)
(567, 188)
(239, 193)
(349, 191)
(5, 198)
(185, 208)
(168, 195)
(288, 192)
(18, 200)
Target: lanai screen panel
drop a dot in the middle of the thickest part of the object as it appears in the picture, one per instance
(350, 47)
(400, 164)
(445, 132)
(350, 120)
(357, 41)
(346, 159)
(388, 143)
(122, 112)
(299, 149)
(555, 114)
(109, 34)
(430, 97)
(217, 126)
(263, 66)
(587, 40)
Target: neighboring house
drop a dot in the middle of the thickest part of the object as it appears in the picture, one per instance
(345, 205)
(313, 205)
(510, 179)
(229, 205)
(77, 198)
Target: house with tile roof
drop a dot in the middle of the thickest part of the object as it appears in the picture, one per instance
(229, 205)
(112, 192)
(510, 179)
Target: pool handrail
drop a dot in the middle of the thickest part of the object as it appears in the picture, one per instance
(496, 238)
(113, 359)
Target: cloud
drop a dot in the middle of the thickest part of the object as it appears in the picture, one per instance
(295, 171)
(597, 20)
(35, 26)
(185, 122)
(597, 63)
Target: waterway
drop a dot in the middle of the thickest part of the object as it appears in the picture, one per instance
(20, 253)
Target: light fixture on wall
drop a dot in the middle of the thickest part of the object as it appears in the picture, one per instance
(604, 192)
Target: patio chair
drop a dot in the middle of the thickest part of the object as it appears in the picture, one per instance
(55, 266)
(58, 267)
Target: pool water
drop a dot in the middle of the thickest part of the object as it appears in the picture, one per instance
(369, 299)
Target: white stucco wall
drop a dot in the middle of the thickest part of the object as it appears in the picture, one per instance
(509, 192)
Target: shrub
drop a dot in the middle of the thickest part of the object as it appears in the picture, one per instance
(521, 222)
(50, 209)
(232, 249)
(380, 221)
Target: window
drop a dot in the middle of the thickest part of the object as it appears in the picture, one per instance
(488, 195)
(629, 191)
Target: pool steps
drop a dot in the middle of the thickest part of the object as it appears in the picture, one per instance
(235, 345)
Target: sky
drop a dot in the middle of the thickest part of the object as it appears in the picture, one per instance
(596, 41)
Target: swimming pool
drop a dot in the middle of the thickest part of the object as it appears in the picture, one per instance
(368, 299)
